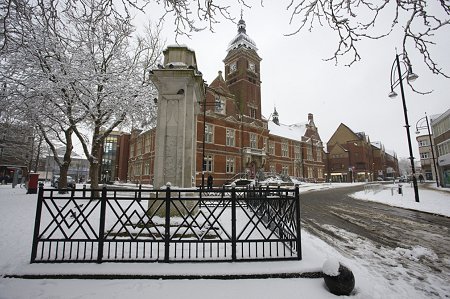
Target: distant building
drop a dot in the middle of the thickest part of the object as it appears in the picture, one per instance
(16, 148)
(353, 158)
(114, 159)
(441, 132)
(78, 169)
(426, 157)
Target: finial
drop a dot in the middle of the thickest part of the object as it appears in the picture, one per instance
(242, 12)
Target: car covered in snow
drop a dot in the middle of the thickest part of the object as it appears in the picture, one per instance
(241, 184)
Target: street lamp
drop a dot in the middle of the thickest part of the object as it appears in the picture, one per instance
(410, 76)
(218, 105)
(420, 127)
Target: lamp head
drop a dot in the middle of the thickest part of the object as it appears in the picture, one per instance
(392, 94)
(411, 76)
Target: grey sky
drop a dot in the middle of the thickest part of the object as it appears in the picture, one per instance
(297, 81)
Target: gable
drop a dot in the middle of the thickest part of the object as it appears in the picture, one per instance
(342, 135)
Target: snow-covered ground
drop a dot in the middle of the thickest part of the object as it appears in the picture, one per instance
(16, 226)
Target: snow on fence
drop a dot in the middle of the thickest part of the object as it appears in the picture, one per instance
(170, 225)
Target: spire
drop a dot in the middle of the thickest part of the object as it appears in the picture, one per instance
(275, 117)
(241, 24)
(242, 39)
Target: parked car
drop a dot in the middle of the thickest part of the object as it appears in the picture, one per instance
(55, 182)
(241, 184)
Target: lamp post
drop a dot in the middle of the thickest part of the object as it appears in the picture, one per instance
(218, 106)
(420, 127)
(410, 76)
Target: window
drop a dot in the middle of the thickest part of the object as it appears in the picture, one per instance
(147, 168)
(319, 155)
(252, 112)
(253, 143)
(132, 150)
(271, 147)
(148, 140)
(139, 146)
(285, 149)
(309, 154)
(208, 166)
(220, 106)
(297, 155)
(423, 143)
(443, 148)
(137, 169)
(209, 137)
(230, 165)
(320, 173)
(424, 156)
(265, 144)
(285, 170)
(310, 172)
(230, 137)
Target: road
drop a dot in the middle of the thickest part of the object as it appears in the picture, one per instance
(393, 241)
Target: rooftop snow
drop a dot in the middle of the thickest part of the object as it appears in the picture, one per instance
(295, 131)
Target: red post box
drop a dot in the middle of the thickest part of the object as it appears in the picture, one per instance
(33, 179)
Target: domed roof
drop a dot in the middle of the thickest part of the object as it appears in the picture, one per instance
(242, 39)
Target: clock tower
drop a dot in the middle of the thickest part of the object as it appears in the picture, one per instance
(242, 72)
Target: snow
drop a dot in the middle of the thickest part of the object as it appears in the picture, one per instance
(331, 267)
(295, 131)
(429, 200)
(372, 281)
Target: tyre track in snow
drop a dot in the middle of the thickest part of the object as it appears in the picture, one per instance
(405, 245)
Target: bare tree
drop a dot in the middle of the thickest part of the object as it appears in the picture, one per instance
(351, 20)
(354, 20)
(76, 66)
(113, 85)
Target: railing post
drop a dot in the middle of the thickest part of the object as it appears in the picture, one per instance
(139, 195)
(37, 222)
(167, 227)
(101, 230)
(84, 190)
(233, 224)
(297, 212)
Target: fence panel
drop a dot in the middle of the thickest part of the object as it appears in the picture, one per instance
(172, 225)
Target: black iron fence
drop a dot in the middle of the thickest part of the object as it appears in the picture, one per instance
(171, 225)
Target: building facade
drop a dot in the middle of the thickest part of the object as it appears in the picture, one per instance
(353, 158)
(441, 132)
(16, 148)
(233, 138)
(426, 157)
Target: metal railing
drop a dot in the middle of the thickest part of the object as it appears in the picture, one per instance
(170, 225)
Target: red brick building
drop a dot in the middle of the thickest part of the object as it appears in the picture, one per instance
(352, 157)
(233, 138)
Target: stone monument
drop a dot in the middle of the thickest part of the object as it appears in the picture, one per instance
(181, 89)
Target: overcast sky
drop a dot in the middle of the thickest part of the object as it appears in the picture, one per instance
(297, 81)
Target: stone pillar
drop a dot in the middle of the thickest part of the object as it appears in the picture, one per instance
(181, 89)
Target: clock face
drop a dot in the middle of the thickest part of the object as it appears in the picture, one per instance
(233, 67)
(252, 67)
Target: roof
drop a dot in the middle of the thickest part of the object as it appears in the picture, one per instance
(242, 39)
(294, 132)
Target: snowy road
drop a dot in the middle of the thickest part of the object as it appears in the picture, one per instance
(407, 247)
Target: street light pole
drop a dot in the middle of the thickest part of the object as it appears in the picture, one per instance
(392, 94)
(218, 105)
(431, 145)
(204, 140)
